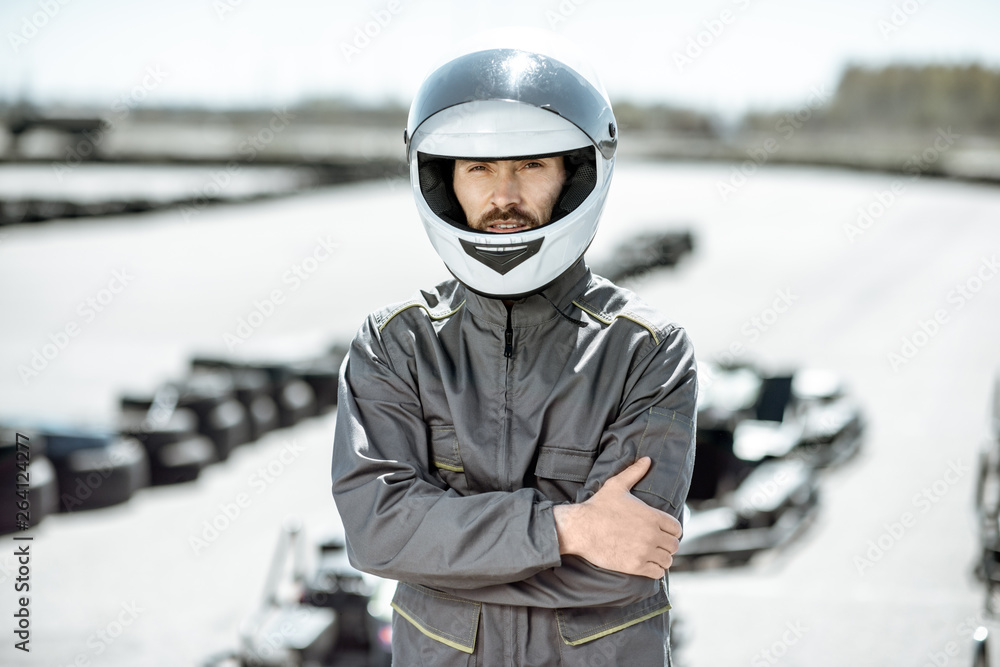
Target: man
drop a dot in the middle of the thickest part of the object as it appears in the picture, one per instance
(514, 446)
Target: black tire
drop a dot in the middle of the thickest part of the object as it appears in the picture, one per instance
(43, 495)
(182, 461)
(322, 374)
(221, 416)
(109, 474)
(212, 397)
(176, 452)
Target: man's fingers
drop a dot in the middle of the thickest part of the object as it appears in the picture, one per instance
(671, 526)
(631, 475)
(663, 559)
(670, 545)
(652, 570)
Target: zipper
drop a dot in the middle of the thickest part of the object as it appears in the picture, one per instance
(503, 474)
(508, 337)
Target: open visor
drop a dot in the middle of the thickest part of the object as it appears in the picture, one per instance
(436, 177)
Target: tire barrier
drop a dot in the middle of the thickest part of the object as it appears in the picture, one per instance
(166, 437)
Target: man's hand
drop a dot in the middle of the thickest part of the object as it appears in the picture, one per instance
(617, 531)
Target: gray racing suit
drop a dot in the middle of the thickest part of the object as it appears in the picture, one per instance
(461, 423)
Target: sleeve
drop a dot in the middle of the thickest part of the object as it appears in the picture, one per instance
(398, 522)
(657, 419)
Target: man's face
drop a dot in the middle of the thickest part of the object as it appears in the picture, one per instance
(508, 196)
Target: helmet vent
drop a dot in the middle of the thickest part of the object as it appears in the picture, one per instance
(502, 258)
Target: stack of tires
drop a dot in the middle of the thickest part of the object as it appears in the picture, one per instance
(95, 468)
(166, 437)
(29, 491)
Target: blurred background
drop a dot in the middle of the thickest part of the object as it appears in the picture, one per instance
(200, 201)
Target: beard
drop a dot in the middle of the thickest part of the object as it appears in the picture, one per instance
(518, 215)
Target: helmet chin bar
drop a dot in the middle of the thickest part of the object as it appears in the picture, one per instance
(498, 103)
(506, 297)
(502, 258)
(521, 295)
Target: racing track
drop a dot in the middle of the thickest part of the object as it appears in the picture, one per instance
(812, 604)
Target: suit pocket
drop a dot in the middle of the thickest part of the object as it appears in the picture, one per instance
(446, 456)
(561, 472)
(585, 624)
(447, 625)
(669, 440)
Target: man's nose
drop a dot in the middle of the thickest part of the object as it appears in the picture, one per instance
(506, 191)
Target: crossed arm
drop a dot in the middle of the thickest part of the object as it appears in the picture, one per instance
(609, 547)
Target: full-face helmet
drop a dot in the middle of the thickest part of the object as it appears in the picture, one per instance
(513, 96)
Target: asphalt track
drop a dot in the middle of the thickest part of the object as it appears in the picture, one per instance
(127, 585)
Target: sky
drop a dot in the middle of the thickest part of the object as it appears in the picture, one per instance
(724, 56)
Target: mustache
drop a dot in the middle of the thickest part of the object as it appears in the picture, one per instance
(514, 214)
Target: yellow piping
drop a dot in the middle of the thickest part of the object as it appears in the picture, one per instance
(406, 306)
(597, 317)
(437, 637)
(605, 633)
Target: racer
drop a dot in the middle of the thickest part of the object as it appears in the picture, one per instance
(514, 446)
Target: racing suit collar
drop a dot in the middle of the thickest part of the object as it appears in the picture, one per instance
(536, 308)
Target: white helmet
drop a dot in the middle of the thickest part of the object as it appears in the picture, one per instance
(520, 96)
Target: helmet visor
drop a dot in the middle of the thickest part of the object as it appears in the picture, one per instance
(521, 76)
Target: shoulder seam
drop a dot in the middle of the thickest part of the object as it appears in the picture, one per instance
(607, 318)
(430, 313)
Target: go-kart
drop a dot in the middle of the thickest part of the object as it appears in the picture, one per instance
(334, 616)
(760, 439)
(988, 508)
(644, 252)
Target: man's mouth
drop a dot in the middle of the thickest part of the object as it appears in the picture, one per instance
(507, 222)
(506, 227)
